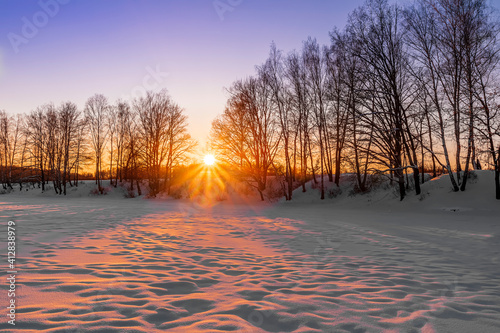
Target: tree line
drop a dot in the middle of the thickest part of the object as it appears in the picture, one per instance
(400, 91)
(125, 142)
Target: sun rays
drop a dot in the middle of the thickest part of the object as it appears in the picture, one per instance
(209, 182)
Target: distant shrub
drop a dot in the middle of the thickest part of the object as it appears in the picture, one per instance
(129, 194)
(472, 176)
(334, 192)
(423, 196)
(274, 190)
(221, 197)
(176, 193)
(95, 191)
(410, 185)
(376, 181)
(244, 189)
(357, 190)
(395, 191)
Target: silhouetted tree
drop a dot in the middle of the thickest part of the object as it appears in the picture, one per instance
(96, 113)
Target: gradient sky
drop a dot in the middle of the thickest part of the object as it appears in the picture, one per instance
(109, 47)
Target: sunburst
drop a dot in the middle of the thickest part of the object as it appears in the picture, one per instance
(209, 159)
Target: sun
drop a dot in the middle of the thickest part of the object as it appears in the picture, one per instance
(209, 159)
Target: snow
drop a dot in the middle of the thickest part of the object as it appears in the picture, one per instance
(351, 263)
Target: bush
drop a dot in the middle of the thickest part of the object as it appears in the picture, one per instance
(472, 176)
(376, 180)
(95, 191)
(423, 196)
(129, 194)
(221, 197)
(176, 193)
(357, 190)
(276, 187)
(334, 192)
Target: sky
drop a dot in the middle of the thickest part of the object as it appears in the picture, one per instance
(69, 50)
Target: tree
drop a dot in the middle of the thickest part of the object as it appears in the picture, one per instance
(272, 74)
(123, 119)
(96, 113)
(298, 95)
(315, 71)
(10, 139)
(422, 28)
(165, 139)
(68, 127)
(341, 80)
(246, 136)
(381, 50)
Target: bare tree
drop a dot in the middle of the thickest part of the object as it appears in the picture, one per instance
(381, 50)
(480, 51)
(346, 77)
(316, 74)
(422, 28)
(96, 113)
(246, 136)
(112, 128)
(298, 95)
(133, 146)
(10, 141)
(68, 127)
(165, 139)
(123, 119)
(35, 132)
(272, 74)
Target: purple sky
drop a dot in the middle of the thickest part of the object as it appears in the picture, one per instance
(92, 46)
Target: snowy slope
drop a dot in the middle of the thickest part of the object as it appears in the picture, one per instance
(436, 194)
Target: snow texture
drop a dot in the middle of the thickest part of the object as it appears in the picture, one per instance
(352, 263)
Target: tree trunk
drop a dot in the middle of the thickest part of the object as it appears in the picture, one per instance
(497, 175)
(497, 182)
